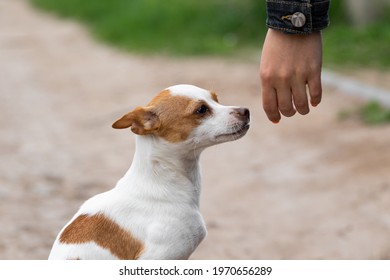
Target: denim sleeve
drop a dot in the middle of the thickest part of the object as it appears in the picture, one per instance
(298, 16)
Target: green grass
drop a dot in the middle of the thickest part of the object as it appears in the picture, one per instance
(214, 27)
(374, 113)
(348, 46)
(178, 27)
(371, 113)
(368, 47)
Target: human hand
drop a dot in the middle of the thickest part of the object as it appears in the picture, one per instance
(288, 63)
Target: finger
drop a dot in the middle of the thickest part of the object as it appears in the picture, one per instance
(300, 98)
(270, 104)
(284, 99)
(315, 90)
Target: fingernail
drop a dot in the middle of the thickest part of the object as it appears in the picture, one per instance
(275, 122)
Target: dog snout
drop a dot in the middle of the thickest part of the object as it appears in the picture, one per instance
(242, 114)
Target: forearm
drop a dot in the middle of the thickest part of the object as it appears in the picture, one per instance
(298, 16)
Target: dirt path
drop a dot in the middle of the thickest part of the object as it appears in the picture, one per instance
(309, 188)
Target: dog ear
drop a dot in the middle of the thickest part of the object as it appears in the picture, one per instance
(142, 120)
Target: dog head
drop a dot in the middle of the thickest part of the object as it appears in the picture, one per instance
(187, 114)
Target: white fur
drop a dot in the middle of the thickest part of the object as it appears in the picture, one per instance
(157, 200)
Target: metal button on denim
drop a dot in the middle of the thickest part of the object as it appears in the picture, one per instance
(298, 19)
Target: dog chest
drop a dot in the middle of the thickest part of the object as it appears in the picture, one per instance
(174, 237)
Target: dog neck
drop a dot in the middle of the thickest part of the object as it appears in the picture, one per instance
(163, 169)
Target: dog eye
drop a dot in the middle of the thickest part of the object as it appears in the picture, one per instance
(202, 110)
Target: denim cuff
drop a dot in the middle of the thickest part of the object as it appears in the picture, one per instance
(312, 15)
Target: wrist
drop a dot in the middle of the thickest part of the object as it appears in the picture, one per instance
(276, 33)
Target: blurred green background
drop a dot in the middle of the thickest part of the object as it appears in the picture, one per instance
(225, 27)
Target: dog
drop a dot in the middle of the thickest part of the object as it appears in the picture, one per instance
(153, 211)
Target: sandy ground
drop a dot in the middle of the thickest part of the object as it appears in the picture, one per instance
(311, 187)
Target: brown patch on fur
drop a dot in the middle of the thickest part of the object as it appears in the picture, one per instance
(142, 120)
(214, 96)
(177, 116)
(168, 116)
(161, 97)
(104, 232)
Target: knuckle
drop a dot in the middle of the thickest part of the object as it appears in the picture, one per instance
(284, 77)
(266, 75)
(300, 104)
(302, 72)
(316, 95)
(303, 111)
(269, 108)
(275, 76)
(285, 107)
(287, 111)
(314, 67)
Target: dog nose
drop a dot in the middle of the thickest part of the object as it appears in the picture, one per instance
(242, 114)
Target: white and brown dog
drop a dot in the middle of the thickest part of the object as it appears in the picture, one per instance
(153, 211)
